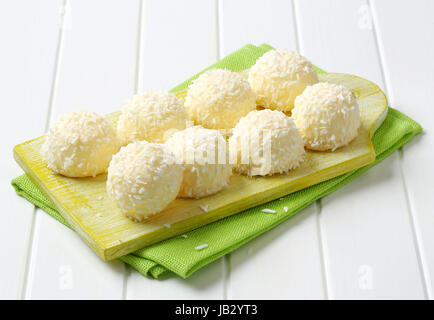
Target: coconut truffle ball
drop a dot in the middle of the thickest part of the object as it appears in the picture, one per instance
(203, 153)
(151, 116)
(143, 179)
(80, 144)
(327, 116)
(266, 142)
(218, 99)
(279, 76)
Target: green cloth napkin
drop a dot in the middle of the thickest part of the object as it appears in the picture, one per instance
(178, 254)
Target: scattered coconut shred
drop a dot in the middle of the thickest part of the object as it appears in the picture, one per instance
(268, 211)
(285, 208)
(202, 246)
(204, 207)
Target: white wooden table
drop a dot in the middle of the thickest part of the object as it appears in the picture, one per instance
(373, 238)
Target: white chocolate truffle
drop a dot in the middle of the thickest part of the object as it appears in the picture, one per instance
(327, 116)
(151, 116)
(266, 142)
(203, 153)
(219, 98)
(80, 144)
(143, 179)
(278, 77)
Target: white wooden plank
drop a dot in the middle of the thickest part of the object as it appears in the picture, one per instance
(96, 72)
(28, 31)
(337, 36)
(207, 283)
(290, 255)
(178, 40)
(369, 248)
(367, 235)
(405, 36)
(284, 263)
(256, 22)
(98, 62)
(63, 267)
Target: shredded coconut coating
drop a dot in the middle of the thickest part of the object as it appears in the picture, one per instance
(143, 179)
(266, 142)
(278, 77)
(203, 153)
(219, 98)
(80, 144)
(327, 116)
(151, 116)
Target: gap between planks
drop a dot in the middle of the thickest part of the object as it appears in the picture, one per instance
(321, 245)
(322, 249)
(137, 86)
(411, 213)
(53, 89)
(226, 260)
